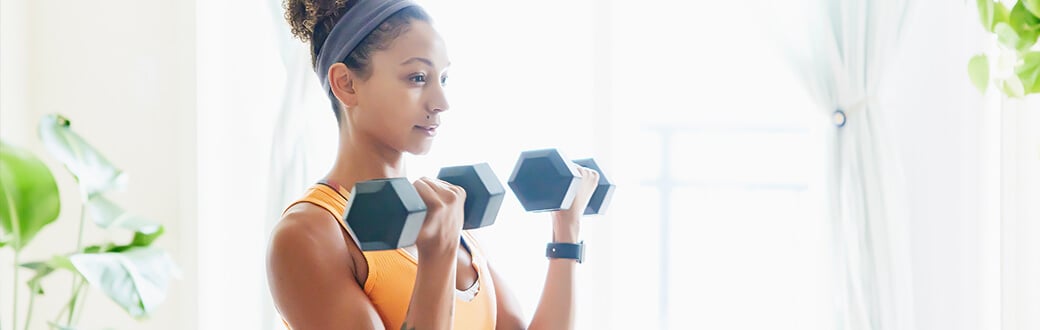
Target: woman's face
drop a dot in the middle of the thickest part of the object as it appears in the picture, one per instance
(401, 101)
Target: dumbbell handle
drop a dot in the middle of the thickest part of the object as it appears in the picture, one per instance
(604, 189)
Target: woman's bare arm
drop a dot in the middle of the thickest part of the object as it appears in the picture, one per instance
(556, 308)
(311, 275)
(510, 315)
(435, 288)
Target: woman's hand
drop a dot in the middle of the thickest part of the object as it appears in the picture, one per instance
(432, 304)
(566, 222)
(442, 228)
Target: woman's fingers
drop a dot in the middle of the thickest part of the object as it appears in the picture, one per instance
(447, 191)
(426, 192)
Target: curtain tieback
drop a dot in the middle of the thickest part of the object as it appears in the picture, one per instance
(839, 117)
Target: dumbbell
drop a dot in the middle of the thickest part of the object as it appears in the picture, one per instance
(386, 214)
(544, 181)
(484, 193)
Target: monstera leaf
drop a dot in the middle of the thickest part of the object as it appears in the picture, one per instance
(45, 268)
(134, 275)
(136, 279)
(92, 170)
(28, 196)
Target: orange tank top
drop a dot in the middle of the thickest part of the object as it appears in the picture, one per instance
(391, 273)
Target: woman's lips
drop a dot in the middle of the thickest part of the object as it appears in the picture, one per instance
(428, 130)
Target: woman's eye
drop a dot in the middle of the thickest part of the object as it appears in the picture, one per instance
(419, 78)
(444, 80)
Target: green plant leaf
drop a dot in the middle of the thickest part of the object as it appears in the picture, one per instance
(45, 268)
(1006, 35)
(1032, 5)
(1012, 87)
(978, 72)
(991, 13)
(92, 170)
(98, 248)
(107, 214)
(140, 239)
(1025, 25)
(1000, 13)
(136, 279)
(1029, 72)
(143, 238)
(986, 13)
(56, 262)
(42, 270)
(29, 197)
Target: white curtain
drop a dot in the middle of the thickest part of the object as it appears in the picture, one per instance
(295, 139)
(841, 64)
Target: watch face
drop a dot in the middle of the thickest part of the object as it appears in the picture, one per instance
(581, 253)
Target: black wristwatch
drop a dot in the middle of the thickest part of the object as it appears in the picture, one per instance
(566, 251)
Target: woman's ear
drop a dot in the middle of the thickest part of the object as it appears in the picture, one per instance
(341, 81)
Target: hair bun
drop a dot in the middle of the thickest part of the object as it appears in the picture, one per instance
(304, 15)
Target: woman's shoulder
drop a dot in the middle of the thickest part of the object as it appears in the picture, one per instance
(307, 263)
(307, 231)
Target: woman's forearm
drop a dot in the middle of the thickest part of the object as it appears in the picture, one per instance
(556, 309)
(433, 298)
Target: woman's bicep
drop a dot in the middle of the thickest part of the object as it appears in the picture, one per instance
(510, 315)
(309, 274)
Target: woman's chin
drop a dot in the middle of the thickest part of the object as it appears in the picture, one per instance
(420, 149)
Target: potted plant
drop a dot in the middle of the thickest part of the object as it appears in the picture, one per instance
(134, 274)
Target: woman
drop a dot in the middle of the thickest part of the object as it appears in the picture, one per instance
(384, 69)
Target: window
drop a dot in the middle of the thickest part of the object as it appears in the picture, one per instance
(707, 137)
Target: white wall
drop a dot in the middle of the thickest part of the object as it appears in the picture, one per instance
(948, 135)
(239, 84)
(13, 43)
(123, 72)
(1020, 213)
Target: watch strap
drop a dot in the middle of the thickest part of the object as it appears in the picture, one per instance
(566, 251)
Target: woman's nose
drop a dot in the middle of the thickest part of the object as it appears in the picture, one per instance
(438, 101)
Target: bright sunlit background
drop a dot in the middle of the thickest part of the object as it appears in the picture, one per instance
(718, 221)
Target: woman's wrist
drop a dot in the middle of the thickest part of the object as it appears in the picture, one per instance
(565, 229)
(438, 252)
(565, 237)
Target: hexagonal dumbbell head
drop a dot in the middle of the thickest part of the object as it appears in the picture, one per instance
(484, 193)
(544, 181)
(604, 189)
(384, 214)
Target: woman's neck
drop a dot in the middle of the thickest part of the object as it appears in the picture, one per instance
(360, 159)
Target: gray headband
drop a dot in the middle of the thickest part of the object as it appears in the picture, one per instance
(349, 31)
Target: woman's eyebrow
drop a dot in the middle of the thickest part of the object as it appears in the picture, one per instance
(421, 59)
